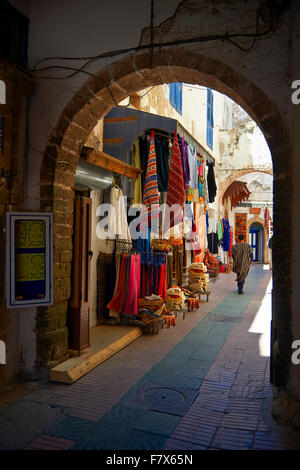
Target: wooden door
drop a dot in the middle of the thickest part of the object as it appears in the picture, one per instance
(79, 311)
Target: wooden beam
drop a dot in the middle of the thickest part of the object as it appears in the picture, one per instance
(116, 140)
(121, 119)
(103, 160)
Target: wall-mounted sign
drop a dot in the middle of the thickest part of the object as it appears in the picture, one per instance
(29, 259)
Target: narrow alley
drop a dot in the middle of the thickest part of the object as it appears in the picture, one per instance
(201, 385)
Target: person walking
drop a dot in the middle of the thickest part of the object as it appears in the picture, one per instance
(242, 255)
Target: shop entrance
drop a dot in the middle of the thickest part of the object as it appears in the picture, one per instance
(256, 239)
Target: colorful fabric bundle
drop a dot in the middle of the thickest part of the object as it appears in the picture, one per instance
(153, 303)
(210, 260)
(197, 277)
(175, 298)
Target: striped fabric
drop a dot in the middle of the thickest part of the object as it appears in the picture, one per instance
(241, 253)
(176, 193)
(150, 194)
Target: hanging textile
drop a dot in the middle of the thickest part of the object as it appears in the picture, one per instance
(211, 182)
(117, 302)
(220, 230)
(212, 234)
(176, 193)
(200, 164)
(184, 161)
(226, 234)
(267, 219)
(153, 274)
(150, 194)
(150, 201)
(144, 154)
(117, 217)
(192, 156)
(127, 287)
(133, 286)
(231, 243)
(105, 279)
(240, 225)
(162, 162)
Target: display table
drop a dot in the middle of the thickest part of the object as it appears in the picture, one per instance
(207, 293)
(170, 320)
(193, 303)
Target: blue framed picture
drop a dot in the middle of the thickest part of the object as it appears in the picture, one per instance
(29, 259)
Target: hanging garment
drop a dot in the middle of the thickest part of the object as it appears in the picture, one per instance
(212, 242)
(117, 218)
(104, 269)
(133, 288)
(162, 161)
(150, 194)
(118, 257)
(231, 243)
(116, 304)
(178, 258)
(176, 193)
(212, 235)
(144, 153)
(211, 182)
(162, 289)
(226, 234)
(184, 161)
(192, 156)
(220, 230)
(169, 270)
(267, 218)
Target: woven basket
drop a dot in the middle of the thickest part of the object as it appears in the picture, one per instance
(151, 328)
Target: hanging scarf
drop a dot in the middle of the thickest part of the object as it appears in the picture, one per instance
(150, 194)
(176, 193)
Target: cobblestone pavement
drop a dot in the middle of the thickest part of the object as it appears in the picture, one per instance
(201, 385)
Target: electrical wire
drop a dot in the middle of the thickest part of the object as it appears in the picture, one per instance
(225, 37)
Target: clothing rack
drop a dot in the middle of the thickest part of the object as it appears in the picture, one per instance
(165, 134)
(190, 140)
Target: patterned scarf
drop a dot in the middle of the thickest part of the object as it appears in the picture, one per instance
(176, 193)
(151, 194)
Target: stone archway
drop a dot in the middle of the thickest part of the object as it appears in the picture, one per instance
(92, 102)
(260, 221)
(235, 175)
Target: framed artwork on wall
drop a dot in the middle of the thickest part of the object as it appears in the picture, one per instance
(29, 259)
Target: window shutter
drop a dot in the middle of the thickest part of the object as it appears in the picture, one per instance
(209, 120)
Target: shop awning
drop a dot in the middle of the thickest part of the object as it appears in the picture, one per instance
(236, 192)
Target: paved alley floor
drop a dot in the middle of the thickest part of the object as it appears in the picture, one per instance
(201, 385)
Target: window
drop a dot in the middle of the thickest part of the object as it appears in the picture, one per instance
(210, 118)
(176, 96)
